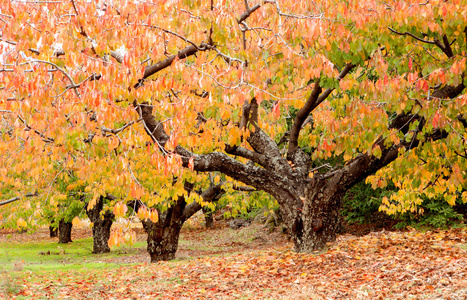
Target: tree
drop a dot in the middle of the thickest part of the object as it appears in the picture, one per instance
(102, 221)
(260, 92)
(163, 225)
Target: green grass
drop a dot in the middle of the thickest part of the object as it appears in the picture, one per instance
(34, 256)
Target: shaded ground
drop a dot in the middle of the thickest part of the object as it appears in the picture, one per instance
(195, 240)
(251, 264)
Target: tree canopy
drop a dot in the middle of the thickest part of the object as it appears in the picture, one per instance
(125, 93)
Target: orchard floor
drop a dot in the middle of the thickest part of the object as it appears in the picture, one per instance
(249, 263)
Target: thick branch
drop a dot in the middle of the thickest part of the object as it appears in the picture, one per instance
(245, 153)
(301, 117)
(328, 91)
(211, 194)
(155, 129)
(315, 99)
(448, 91)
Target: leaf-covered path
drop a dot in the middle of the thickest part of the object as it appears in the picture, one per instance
(380, 265)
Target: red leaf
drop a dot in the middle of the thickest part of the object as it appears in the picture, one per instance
(435, 120)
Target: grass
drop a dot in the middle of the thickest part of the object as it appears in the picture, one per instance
(44, 256)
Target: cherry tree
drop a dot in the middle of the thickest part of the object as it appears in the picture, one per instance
(147, 98)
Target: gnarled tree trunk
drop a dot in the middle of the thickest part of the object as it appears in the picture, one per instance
(162, 238)
(318, 222)
(101, 226)
(64, 232)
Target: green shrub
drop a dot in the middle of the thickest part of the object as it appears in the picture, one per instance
(437, 213)
(361, 202)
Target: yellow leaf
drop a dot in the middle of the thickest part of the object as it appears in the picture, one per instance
(234, 135)
(76, 222)
(21, 223)
(154, 216)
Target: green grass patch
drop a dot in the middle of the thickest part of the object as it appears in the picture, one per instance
(43, 256)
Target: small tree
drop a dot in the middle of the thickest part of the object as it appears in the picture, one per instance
(102, 221)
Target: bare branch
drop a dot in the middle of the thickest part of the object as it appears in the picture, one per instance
(447, 50)
(43, 136)
(247, 13)
(175, 34)
(188, 51)
(118, 130)
(73, 84)
(18, 198)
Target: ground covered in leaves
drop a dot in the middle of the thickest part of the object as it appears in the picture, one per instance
(250, 263)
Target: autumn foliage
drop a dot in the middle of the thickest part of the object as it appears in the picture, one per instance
(128, 95)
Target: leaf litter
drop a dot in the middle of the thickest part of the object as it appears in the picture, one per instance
(380, 265)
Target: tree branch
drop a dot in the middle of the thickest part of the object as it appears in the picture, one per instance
(301, 117)
(245, 153)
(247, 13)
(211, 194)
(315, 99)
(43, 136)
(446, 48)
(18, 198)
(184, 53)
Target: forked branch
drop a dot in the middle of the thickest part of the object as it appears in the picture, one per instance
(446, 47)
(315, 99)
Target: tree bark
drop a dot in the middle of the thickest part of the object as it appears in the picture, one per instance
(319, 218)
(163, 235)
(162, 240)
(64, 232)
(101, 226)
(53, 231)
(208, 218)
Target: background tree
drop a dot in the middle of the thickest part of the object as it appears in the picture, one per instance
(212, 85)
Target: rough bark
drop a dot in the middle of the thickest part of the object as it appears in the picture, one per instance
(162, 239)
(64, 232)
(101, 226)
(164, 234)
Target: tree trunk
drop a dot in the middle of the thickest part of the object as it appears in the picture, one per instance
(314, 223)
(163, 236)
(320, 222)
(162, 240)
(101, 226)
(53, 231)
(64, 232)
(208, 218)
